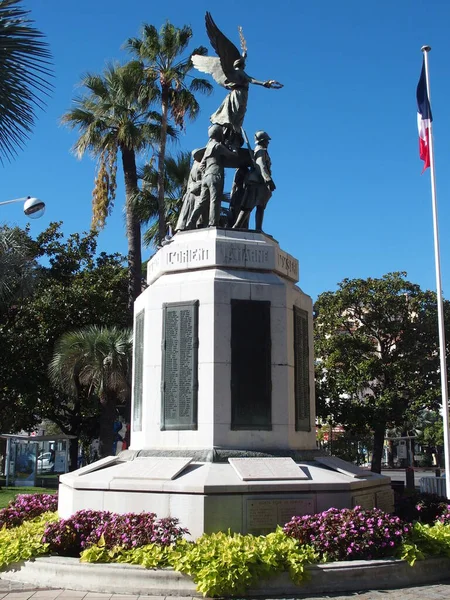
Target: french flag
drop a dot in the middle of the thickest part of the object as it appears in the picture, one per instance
(424, 119)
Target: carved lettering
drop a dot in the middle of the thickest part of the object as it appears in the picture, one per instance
(179, 369)
(182, 257)
(286, 263)
(242, 254)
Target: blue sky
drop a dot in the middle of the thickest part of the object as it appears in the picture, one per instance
(350, 198)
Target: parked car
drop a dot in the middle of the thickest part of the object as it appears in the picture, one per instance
(45, 461)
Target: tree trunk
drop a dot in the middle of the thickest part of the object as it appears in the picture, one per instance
(133, 227)
(391, 454)
(378, 444)
(73, 454)
(161, 165)
(107, 418)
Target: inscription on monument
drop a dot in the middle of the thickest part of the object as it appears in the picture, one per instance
(342, 466)
(301, 371)
(365, 501)
(288, 264)
(182, 257)
(385, 500)
(166, 468)
(180, 366)
(138, 371)
(262, 516)
(254, 469)
(243, 254)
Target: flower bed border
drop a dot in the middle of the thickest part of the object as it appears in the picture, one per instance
(345, 576)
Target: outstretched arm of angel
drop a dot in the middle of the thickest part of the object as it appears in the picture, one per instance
(270, 83)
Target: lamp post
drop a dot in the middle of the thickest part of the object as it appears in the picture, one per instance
(32, 207)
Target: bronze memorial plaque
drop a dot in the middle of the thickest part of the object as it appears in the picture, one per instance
(251, 365)
(263, 515)
(138, 370)
(301, 371)
(179, 380)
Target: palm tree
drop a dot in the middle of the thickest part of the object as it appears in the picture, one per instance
(24, 74)
(114, 114)
(176, 175)
(99, 359)
(161, 53)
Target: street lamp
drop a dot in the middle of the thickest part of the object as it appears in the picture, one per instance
(33, 207)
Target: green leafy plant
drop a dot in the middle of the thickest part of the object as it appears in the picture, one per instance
(25, 541)
(150, 556)
(228, 564)
(220, 563)
(426, 540)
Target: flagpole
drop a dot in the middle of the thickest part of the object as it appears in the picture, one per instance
(440, 303)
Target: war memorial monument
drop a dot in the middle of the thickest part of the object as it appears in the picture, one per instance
(223, 410)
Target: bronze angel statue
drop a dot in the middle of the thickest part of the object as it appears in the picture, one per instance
(228, 70)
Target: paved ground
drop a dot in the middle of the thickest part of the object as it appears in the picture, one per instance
(14, 591)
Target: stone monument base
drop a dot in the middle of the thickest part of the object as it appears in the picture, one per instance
(216, 496)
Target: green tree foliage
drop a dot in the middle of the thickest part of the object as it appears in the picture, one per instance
(99, 360)
(114, 115)
(24, 73)
(74, 288)
(176, 172)
(168, 71)
(17, 267)
(376, 355)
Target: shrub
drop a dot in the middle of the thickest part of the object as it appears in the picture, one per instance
(68, 537)
(24, 541)
(444, 517)
(349, 534)
(26, 507)
(422, 507)
(220, 563)
(426, 540)
(86, 528)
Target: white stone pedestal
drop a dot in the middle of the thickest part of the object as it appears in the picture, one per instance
(190, 435)
(213, 268)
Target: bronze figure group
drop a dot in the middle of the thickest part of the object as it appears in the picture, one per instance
(253, 184)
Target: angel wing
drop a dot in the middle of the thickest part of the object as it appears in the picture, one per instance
(226, 50)
(210, 65)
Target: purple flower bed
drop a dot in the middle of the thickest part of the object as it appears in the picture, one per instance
(69, 537)
(349, 534)
(25, 507)
(445, 516)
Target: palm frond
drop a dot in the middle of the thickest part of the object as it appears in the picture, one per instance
(24, 74)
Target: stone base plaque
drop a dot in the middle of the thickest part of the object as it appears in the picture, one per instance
(267, 469)
(365, 501)
(342, 466)
(153, 468)
(385, 500)
(263, 516)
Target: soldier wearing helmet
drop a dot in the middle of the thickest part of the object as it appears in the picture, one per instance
(212, 168)
(259, 184)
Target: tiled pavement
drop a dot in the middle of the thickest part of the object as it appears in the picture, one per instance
(14, 591)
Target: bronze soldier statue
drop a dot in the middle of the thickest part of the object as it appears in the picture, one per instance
(212, 167)
(193, 189)
(258, 185)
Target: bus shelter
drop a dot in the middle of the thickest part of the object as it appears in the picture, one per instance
(28, 457)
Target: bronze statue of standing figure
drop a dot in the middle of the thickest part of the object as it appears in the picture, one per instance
(258, 184)
(212, 168)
